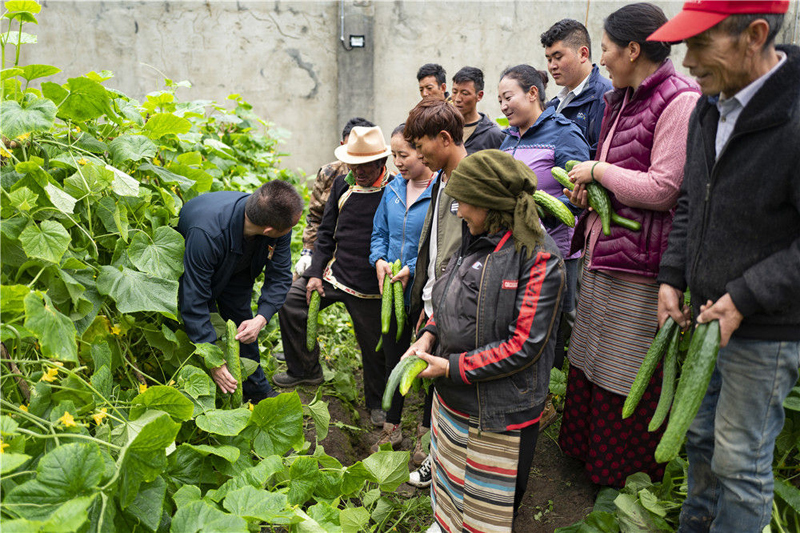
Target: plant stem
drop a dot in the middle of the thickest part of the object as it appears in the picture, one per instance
(68, 436)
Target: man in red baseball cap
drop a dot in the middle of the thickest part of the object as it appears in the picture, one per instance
(742, 271)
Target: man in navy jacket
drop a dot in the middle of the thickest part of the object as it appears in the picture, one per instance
(568, 50)
(231, 237)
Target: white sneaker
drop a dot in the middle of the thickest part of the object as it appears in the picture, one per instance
(434, 528)
(421, 477)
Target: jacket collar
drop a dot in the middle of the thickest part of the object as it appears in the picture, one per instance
(648, 85)
(590, 91)
(546, 114)
(236, 224)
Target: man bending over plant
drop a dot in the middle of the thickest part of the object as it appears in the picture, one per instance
(231, 237)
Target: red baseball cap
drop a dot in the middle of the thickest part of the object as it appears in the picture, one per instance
(699, 15)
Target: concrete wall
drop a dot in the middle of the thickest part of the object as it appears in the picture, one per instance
(286, 59)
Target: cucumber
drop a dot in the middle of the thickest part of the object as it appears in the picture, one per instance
(399, 301)
(632, 225)
(411, 365)
(599, 201)
(569, 165)
(311, 326)
(649, 364)
(561, 176)
(233, 362)
(667, 383)
(692, 387)
(555, 206)
(386, 305)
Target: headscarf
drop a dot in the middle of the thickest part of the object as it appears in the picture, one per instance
(504, 185)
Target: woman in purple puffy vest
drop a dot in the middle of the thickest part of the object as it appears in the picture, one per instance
(641, 154)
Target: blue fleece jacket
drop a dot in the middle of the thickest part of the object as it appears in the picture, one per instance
(551, 141)
(396, 228)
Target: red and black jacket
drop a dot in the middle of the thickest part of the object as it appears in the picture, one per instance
(495, 314)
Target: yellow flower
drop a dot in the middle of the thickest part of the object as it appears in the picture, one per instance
(3, 446)
(50, 375)
(4, 152)
(23, 407)
(142, 388)
(250, 406)
(23, 137)
(116, 330)
(67, 420)
(171, 383)
(82, 161)
(98, 417)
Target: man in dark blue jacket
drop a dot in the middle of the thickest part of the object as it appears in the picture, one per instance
(231, 237)
(568, 50)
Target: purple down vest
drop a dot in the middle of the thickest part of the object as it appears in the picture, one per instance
(636, 252)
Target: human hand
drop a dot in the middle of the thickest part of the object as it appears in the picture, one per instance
(587, 172)
(725, 311)
(248, 330)
(302, 264)
(420, 322)
(423, 344)
(382, 269)
(223, 378)
(437, 366)
(578, 197)
(314, 284)
(670, 303)
(403, 276)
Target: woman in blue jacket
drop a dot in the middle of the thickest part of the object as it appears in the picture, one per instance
(542, 139)
(395, 235)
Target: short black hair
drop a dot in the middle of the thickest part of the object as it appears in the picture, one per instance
(353, 122)
(736, 24)
(633, 24)
(571, 32)
(432, 69)
(276, 204)
(527, 76)
(398, 130)
(473, 74)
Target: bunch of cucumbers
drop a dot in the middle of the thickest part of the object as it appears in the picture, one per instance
(392, 298)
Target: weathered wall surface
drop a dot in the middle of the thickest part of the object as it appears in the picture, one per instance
(286, 59)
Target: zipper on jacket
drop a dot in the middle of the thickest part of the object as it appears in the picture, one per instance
(477, 329)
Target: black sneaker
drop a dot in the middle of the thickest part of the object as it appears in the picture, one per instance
(284, 380)
(421, 477)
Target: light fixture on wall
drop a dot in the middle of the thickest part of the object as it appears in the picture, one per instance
(357, 41)
(353, 41)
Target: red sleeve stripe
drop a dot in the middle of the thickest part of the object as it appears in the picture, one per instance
(461, 371)
(522, 330)
(502, 241)
(430, 322)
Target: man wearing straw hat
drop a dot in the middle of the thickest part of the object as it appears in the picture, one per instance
(340, 270)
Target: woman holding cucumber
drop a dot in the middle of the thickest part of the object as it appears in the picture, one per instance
(641, 153)
(489, 346)
(395, 235)
(543, 139)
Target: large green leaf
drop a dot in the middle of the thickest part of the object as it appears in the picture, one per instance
(54, 332)
(32, 72)
(67, 518)
(227, 452)
(12, 461)
(12, 299)
(23, 199)
(135, 291)
(144, 455)
(162, 124)
(634, 517)
(788, 493)
(166, 177)
(149, 503)
(36, 115)
(254, 476)
(200, 517)
(47, 241)
(318, 410)
(132, 148)
(123, 184)
(390, 469)
(160, 255)
(89, 179)
(228, 422)
(29, 6)
(305, 475)
(87, 100)
(354, 519)
(280, 425)
(257, 505)
(61, 200)
(165, 399)
(69, 471)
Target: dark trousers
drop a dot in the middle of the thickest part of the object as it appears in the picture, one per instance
(234, 304)
(393, 350)
(366, 316)
(527, 445)
(567, 318)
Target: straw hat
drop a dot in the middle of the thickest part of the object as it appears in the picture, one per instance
(363, 145)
